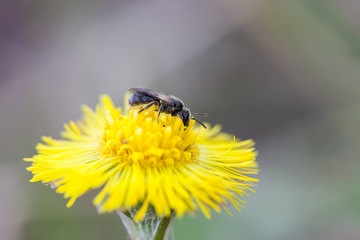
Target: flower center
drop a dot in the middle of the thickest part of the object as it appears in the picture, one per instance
(139, 138)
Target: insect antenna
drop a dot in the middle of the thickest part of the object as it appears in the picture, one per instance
(199, 121)
(200, 114)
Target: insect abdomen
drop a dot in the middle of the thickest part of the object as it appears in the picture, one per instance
(135, 100)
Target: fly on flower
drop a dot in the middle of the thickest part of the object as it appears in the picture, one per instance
(132, 160)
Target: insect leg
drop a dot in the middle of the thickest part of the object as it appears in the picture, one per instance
(147, 106)
(160, 110)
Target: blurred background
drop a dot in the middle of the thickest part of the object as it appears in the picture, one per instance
(283, 72)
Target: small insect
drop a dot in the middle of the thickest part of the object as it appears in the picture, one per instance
(167, 104)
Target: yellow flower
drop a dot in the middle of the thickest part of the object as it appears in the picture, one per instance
(135, 160)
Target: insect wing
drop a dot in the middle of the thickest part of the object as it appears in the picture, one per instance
(151, 93)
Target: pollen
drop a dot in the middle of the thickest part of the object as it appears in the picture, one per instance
(146, 141)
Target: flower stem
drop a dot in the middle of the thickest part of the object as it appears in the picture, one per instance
(151, 227)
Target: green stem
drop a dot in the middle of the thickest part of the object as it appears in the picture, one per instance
(151, 227)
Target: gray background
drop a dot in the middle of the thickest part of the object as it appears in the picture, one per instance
(283, 72)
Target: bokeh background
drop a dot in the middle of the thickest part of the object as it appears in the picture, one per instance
(283, 72)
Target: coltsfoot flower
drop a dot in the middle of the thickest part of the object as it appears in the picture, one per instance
(136, 160)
